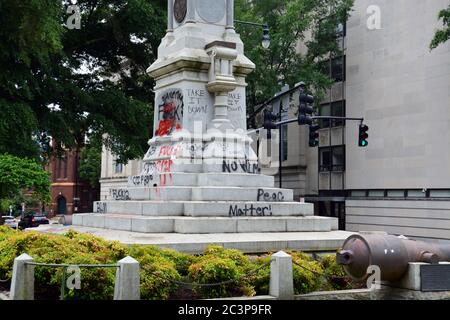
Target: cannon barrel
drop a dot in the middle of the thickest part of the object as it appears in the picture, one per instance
(391, 253)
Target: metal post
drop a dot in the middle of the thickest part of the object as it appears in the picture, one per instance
(63, 283)
(280, 154)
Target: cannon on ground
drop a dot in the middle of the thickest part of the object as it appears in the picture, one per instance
(391, 253)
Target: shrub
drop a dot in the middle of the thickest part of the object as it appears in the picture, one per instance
(158, 272)
(217, 265)
(161, 269)
(260, 275)
(308, 274)
(335, 273)
(44, 248)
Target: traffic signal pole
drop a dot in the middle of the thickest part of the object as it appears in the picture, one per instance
(280, 123)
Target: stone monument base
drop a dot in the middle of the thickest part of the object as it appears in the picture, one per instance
(196, 243)
(188, 211)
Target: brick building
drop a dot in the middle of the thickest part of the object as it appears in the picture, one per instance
(69, 193)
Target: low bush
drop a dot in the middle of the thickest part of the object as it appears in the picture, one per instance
(218, 265)
(162, 270)
(337, 278)
(308, 273)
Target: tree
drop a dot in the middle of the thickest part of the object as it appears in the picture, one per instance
(312, 23)
(17, 175)
(62, 83)
(91, 162)
(442, 35)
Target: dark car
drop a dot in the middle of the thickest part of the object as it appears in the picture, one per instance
(32, 220)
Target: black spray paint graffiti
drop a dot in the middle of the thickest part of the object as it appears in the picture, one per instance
(237, 211)
(101, 207)
(270, 196)
(144, 180)
(240, 166)
(170, 112)
(234, 102)
(120, 194)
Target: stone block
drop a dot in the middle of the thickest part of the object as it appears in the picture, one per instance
(118, 222)
(253, 225)
(22, 284)
(205, 225)
(157, 208)
(281, 283)
(77, 219)
(161, 194)
(94, 220)
(242, 194)
(152, 225)
(411, 279)
(243, 209)
(127, 285)
(235, 180)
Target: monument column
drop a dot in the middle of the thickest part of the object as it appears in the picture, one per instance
(230, 16)
(169, 16)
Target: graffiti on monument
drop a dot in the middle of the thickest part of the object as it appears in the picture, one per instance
(197, 101)
(234, 102)
(101, 207)
(270, 196)
(120, 194)
(250, 210)
(170, 112)
(233, 166)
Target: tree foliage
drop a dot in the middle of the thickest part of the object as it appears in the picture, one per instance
(91, 162)
(17, 174)
(303, 32)
(443, 34)
(63, 83)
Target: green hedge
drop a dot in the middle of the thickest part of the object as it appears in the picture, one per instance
(163, 271)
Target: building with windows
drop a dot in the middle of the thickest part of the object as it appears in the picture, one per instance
(400, 183)
(69, 193)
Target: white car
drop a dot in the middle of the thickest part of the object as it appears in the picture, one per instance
(10, 221)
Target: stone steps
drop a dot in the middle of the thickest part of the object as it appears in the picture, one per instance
(178, 179)
(205, 225)
(205, 208)
(211, 194)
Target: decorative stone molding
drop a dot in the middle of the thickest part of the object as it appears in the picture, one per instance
(221, 72)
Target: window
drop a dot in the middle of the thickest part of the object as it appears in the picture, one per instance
(284, 115)
(61, 167)
(335, 109)
(338, 69)
(332, 159)
(334, 69)
(118, 167)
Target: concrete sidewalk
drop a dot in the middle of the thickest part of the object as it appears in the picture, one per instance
(196, 243)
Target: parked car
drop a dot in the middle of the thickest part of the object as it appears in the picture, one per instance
(32, 220)
(10, 221)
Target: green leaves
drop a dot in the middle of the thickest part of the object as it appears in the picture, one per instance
(303, 32)
(65, 83)
(442, 35)
(17, 174)
(91, 162)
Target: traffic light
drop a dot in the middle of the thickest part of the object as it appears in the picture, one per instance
(363, 135)
(305, 109)
(314, 135)
(269, 122)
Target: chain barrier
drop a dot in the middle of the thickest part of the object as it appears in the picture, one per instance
(65, 266)
(206, 285)
(318, 273)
